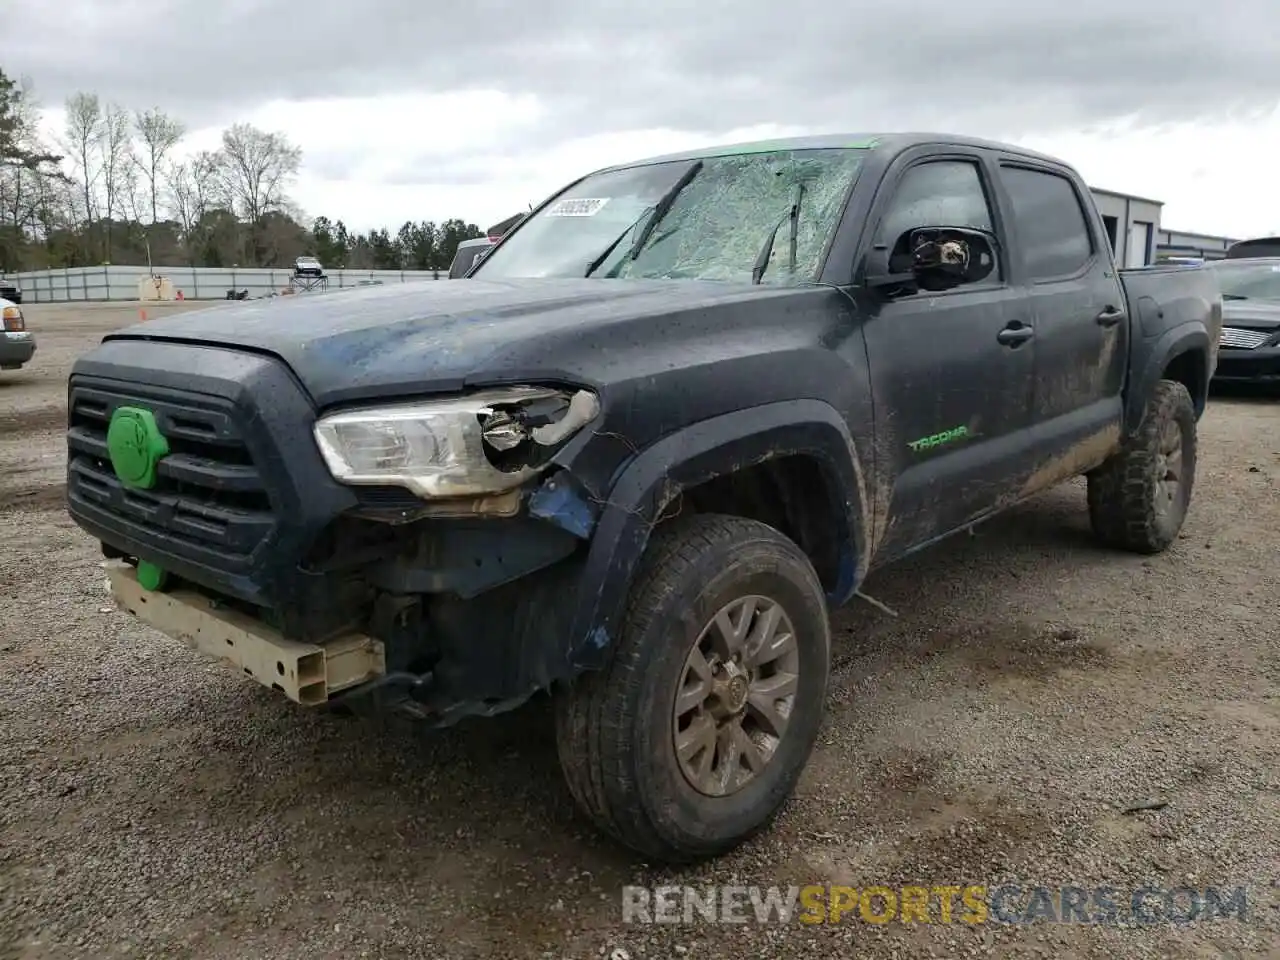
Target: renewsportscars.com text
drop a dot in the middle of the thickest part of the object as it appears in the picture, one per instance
(939, 904)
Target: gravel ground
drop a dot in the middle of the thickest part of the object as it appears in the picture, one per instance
(1032, 688)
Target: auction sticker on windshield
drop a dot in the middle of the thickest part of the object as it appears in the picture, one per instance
(577, 207)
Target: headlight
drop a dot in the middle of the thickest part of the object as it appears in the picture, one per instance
(472, 446)
(12, 320)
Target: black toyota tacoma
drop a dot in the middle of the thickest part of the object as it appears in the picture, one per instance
(666, 426)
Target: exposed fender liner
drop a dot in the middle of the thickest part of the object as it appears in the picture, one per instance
(1184, 338)
(691, 456)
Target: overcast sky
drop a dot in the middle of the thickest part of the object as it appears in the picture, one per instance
(482, 107)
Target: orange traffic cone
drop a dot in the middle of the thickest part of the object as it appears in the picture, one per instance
(142, 314)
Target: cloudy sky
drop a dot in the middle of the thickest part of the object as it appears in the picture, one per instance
(428, 110)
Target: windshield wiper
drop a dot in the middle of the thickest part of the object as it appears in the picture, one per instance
(655, 213)
(595, 264)
(1233, 296)
(662, 208)
(762, 258)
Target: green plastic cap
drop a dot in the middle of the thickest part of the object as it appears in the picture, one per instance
(150, 576)
(136, 446)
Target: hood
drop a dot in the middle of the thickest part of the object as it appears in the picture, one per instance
(1251, 314)
(446, 335)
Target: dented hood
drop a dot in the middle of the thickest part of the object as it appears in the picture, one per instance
(446, 335)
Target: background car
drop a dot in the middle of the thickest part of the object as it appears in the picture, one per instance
(469, 251)
(9, 290)
(307, 267)
(1250, 345)
(17, 345)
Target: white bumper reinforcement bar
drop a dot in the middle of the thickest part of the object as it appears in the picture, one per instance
(306, 673)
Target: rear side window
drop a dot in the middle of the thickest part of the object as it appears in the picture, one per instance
(1052, 229)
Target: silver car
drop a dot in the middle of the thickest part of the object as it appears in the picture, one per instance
(17, 343)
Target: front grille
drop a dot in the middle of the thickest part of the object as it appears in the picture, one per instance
(1244, 339)
(209, 500)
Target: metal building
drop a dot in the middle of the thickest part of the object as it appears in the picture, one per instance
(1173, 243)
(1132, 223)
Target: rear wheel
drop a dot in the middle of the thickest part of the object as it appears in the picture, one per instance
(693, 736)
(1138, 500)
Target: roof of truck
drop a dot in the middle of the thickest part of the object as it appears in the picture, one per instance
(848, 141)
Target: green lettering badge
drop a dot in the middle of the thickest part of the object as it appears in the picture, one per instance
(939, 439)
(136, 446)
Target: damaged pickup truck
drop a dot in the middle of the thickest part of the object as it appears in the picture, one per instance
(671, 421)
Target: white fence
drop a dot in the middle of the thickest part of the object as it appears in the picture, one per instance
(196, 283)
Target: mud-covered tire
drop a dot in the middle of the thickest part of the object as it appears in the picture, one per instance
(1131, 506)
(615, 728)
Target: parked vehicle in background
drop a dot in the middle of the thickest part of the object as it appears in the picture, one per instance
(9, 290)
(470, 252)
(676, 415)
(17, 343)
(307, 267)
(468, 255)
(503, 227)
(1256, 248)
(1251, 320)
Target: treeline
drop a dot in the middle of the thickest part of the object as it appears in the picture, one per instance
(117, 187)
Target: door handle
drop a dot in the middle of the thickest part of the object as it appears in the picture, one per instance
(1110, 316)
(1015, 334)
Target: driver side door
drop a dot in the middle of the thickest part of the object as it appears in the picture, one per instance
(952, 389)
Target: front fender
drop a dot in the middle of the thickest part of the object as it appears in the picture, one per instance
(691, 456)
(1154, 358)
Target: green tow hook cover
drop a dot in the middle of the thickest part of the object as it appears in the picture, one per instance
(136, 446)
(151, 577)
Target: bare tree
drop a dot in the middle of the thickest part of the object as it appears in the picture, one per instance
(116, 152)
(83, 135)
(159, 134)
(256, 169)
(194, 189)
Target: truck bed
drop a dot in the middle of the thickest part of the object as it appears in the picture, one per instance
(1184, 292)
(1165, 296)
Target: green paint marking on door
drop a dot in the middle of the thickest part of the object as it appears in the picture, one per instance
(940, 439)
(136, 446)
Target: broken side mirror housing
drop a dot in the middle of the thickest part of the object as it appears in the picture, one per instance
(932, 258)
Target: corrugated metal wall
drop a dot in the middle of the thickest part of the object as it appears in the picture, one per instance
(121, 283)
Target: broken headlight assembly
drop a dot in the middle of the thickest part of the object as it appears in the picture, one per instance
(483, 444)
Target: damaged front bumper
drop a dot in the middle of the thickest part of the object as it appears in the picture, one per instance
(307, 673)
(363, 594)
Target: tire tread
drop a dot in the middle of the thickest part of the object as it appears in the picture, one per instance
(1122, 501)
(595, 717)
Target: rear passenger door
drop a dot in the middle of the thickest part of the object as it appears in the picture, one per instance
(1077, 308)
(952, 390)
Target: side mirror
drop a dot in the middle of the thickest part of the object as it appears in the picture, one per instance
(934, 259)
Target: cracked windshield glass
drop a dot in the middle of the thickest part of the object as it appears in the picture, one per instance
(760, 217)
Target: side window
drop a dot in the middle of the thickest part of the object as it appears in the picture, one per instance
(939, 193)
(1052, 230)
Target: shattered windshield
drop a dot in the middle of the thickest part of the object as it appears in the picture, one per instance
(1242, 280)
(719, 218)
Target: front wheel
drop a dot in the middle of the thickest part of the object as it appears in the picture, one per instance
(1139, 498)
(697, 730)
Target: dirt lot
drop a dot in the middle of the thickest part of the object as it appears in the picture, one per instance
(1032, 689)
